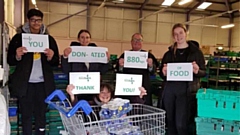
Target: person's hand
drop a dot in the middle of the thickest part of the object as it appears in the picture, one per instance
(49, 53)
(121, 62)
(69, 90)
(164, 69)
(195, 67)
(143, 92)
(108, 56)
(20, 52)
(150, 62)
(67, 51)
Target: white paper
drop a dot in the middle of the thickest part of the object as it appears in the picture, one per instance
(135, 59)
(128, 84)
(88, 54)
(179, 72)
(35, 42)
(85, 82)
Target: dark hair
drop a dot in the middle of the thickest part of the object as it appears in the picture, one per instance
(109, 87)
(83, 30)
(177, 25)
(34, 12)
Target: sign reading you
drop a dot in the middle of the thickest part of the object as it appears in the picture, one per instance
(128, 84)
(135, 59)
(35, 42)
(85, 82)
(179, 72)
(88, 54)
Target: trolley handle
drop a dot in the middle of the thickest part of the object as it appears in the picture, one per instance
(57, 93)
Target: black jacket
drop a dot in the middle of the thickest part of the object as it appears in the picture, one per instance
(81, 67)
(195, 54)
(145, 74)
(19, 79)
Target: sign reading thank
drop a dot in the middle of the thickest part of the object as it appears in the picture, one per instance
(88, 54)
(35, 42)
(128, 84)
(179, 72)
(85, 82)
(135, 59)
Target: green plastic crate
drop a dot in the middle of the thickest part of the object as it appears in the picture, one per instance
(209, 126)
(221, 104)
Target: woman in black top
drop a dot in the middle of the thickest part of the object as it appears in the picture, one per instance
(84, 38)
(179, 97)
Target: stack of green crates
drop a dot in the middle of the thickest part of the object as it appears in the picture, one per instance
(218, 112)
(55, 123)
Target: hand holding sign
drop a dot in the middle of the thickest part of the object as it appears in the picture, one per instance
(20, 52)
(195, 67)
(67, 51)
(49, 53)
(143, 92)
(164, 69)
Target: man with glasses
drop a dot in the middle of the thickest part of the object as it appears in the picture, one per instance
(136, 42)
(33, 77)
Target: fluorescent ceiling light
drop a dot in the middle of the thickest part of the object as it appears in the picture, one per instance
(184, 2)
(118, 1)
(34, 2)
(168, 2)
(204, 5)
(227, 26)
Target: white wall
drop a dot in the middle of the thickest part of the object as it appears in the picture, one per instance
(113, 27)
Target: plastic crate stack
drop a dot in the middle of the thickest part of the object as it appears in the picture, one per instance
(55, 125)
(218, 112)
(12, 112)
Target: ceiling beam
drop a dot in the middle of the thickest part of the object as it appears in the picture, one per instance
(144, 4)
(234, 1)
(215, 2)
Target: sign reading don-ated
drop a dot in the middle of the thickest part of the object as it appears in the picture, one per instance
(88, 54)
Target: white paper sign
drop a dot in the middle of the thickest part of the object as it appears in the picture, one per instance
(85, 82)
(179, 72)
(135, 59)
(88, 54)
(128, 84)
(35, 42)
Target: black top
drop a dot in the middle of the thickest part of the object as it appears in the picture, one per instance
(182, 54)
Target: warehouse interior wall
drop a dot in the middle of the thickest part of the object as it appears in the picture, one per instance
(113, 27)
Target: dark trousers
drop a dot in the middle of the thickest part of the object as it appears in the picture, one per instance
(175, 104)
(33, 105)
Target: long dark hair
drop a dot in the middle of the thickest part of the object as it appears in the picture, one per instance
(178, 25)
(83, 30)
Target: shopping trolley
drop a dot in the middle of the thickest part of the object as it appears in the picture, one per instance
(83, 119)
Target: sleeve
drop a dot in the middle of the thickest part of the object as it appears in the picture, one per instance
(12, 47)
(66, 67)
(118, 68)
(55, 59)
(201, 63)
(104, 68)
(155, 64)
(164, 61)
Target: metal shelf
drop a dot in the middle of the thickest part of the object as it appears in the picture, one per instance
(221, 68)
(212, 79)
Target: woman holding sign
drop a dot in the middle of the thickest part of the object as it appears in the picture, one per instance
(84, 38)
(179, 97)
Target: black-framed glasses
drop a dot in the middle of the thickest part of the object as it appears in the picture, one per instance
(36, 20)
(137, 40)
